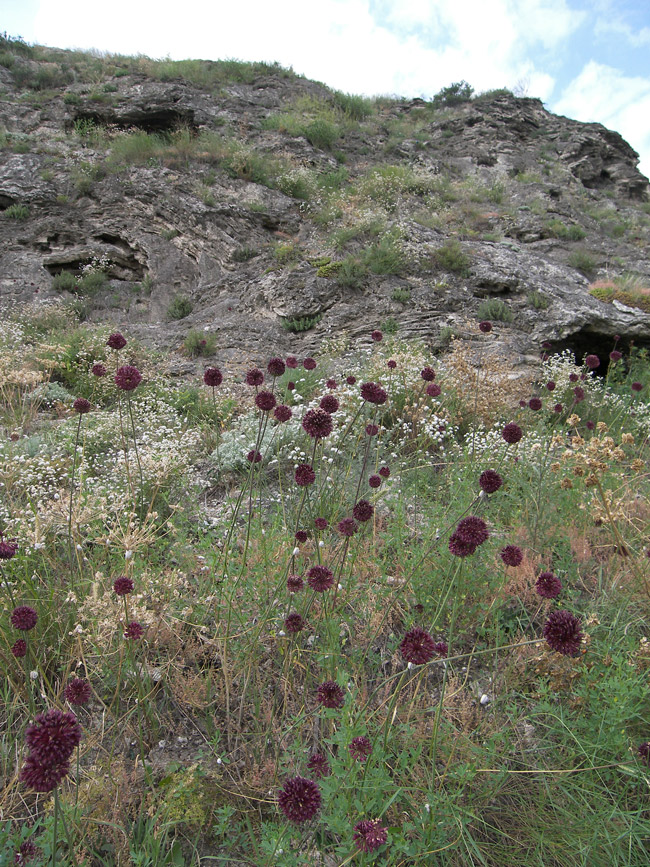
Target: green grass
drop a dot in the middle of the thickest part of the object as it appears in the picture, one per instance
(179, 307)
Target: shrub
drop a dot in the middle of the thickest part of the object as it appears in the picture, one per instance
(17, 212)
(243, 254)
(386, 257)
(452, 257)
(538, 300)
(322, 134)
(494, 309)
(557, 229)
(352, 274)
(356, 107)
(584, 262)
(454, 94)
(401, 294)
(198, 343)
(169, 234)
(285, 254)
(301, 323)
(180, 307)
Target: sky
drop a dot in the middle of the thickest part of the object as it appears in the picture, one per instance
(586, 59)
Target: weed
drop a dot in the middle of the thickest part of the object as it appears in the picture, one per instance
(298, 324)
(244, 254)
(495, 309)
(583, 261)
(452, 257)
(454, 94)
(401, 294)
(538, 300)
(198, 343)
(179, 307)
(17, 212)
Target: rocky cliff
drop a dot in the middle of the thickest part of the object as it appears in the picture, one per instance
(267, 212)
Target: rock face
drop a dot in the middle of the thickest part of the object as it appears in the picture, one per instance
(282, 213)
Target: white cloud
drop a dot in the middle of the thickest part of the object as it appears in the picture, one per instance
(621, 102)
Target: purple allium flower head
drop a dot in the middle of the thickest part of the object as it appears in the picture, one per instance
(301, 536)
(636, 386)
(350, 380)
(377, 336)
(24, 617)
(320, 523)
(360, 748)
(254, 376)
(212, 376)
(512, 433)
(373, 393)
(417, 646)
(254, 457)
(43, 777)
(295, 583)
(317, 423)
(369, 834)
(550, 385)
(372, 430)
(428, 374)
(472, 530)
(441, 648)
(7, 548)
(77, 691)
(300, 799)
(590, 425)
(579, 393)
(363, 511)
(320, 578)
(282, 412)
(615, 355)
(490, 481)
(319, 766)
(294, 623)
(329, 403)
(347, 527)
(434, 390)
(291, 386)
(523, 404)
(309, 363)
(331, 383)
(27, 851)
(562, 632)
(116, 341)
(98, 369)
(573, 377)
(123, 585)
(644, 751)
(265, 401)
(485, 326)
(592, 362)
(384, 472)
(128, 377)
(548, 585)
(53, 736)
(330, 694)
(512, 555)
(460, 547)
(291, 361)
(276, 367)
(81, 405)
(134, 630)
(19, 648)
(391, 364)
(305, 475)
(374, 481)
(535, 403)
(558, 408)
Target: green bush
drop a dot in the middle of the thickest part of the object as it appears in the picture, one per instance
(243, 254)
(65, 281)
(322, 134)
(452, 257)
(538, 300)
(401, 294)
(352, 274)
(495, 309)
(584, 262)
(356, 107)
(180, 307)
(557, 229)
(454, 94)
(87, 284)
(17, 212)
(386, 257)
(198, 343)
(301, 323)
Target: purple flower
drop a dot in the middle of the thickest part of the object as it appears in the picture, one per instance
(123, 585)
(320, 523)
(294, 623)
(24, 618)
(592, 362)
(331, 695)
(472, 530)
(558, 408)
(384, 472)
(372, 430)
(550, 385)
(636, 386)
(377, 336)
(77, 691)
(116, 341)
(512, 433)
(329, 403)
(417, 646)
(320, 578)
(305, 475)
(590, 425)
(548, 585)
(27, 851)
(275, 367)
(579, 393)
(485, 326)
(265, 401)
(291, 386)
(128, 377)
(81, 405)
(319, 766)
(374, 481)
(360, 748)
(309, 363)
(391, 364)
(19, 648)
(573, 377)
(615, 355)
(331, 383)
(7, 548)
(363, 511)
(301, 536)
(369, 834)
(254, 457)
(512, 555)
(347, 527)
(350, 380)
(441, 648)
(294, 583)
(434, 390)
(212, 376)
(373, 393)
(644, 751)
(282, 412)
(254, 376)
(490, 481)
(43, 777)
(53, 736)
(300, 799)
(317, 423)
(134, 630)
(459, 547)
(428, 374)
(291, 361)
(535, 403)
(562, 632)
(98, 369)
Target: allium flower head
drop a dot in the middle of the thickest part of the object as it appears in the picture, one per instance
(417, 646)
(24, 617)
(391, 364)
(434, 390)
(254, 457)
(558, 408)
(319, 766)
(428, 374)
(384, 472)
(320, 578)
(265, 401)
(300, 799)
(123, 585)
(282, 412)
(7, 548)
(441, 648)
(27, 851)
(369, 834)
(590, 425)
(350, 380)
(459, 547)
(254, 376)
(212, 376)
(374, 481)
(329, 403)
(644, 751)
(573, 377)
(320, 523)
(294, 623)
(301, 536)
(294, 583)
(360, 748)
(347, 527)
(305, 475)
(485, 326)
(377, 336)
(548, 585)
(276, 367)
(372, 430)
(373, 393)
(490, 481)
(592, 362)
(363, 511)
(128, 377)
(317, 423)
(330, 694)
(535, 404)
(43, 777)
(77, 691)
(98, 369)
(472, 530)
(81, 405)
(309, 363)
(562, 632)
(53, 736)
(550, 385)
(512, 555)
(579, 393)
(116, 341)
(512, 433)
(19, 648)
(134, 630)
(636, 386)
(615, 355)
(291, 361)
(331, 383)
(291, 386)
